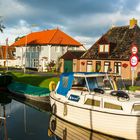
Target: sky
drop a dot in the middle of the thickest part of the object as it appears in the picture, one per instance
(84, 20)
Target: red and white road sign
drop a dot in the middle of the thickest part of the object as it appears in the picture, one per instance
(134, 49)
(134, 60)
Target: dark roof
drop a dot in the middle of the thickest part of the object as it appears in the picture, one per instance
(120, 40)
(69, 55)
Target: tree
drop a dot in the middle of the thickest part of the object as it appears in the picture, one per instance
(1, 25)
(17, 38)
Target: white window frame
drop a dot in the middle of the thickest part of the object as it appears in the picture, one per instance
(101, 48)
(106, 66)
(104, 48)
(117, 66)
(57, 49)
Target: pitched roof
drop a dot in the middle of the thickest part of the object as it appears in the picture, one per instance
(120, 40)
(4, 52)
(70, 55)
(53, 37)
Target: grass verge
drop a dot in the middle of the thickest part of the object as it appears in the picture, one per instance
(33, 79)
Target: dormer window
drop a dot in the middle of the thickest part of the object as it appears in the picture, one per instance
(104, 48)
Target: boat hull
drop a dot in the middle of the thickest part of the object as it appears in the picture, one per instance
(28, 91)
(119, 125)
(45, 99)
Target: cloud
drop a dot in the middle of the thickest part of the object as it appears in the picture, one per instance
(21, 29)
(10, 9)
(85, 20)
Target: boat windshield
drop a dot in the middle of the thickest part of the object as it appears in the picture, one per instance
(120, 84)
(93, 82)
(79, 82)
(99, 82)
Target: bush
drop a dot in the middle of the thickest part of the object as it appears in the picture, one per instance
(51, 67)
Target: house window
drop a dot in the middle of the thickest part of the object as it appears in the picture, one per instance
(101, 48)
(30, 49)
(106, 66)
(74, 48)
(104, 48)
(98, 66)
(34, 49)
(35, 63)
(57, 49)
(89, 66)
(27, 49)
(117, 67)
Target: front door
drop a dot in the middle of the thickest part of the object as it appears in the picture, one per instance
(68, 66)
(98, 66)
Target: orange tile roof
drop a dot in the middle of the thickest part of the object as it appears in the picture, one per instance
(53, 37)
(4, 50)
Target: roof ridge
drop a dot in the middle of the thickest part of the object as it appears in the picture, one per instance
(53, 35)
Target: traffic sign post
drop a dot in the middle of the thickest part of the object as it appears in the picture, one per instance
(133, 72)
(133, 60)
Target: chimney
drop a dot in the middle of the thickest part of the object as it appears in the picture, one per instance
(112, 26)
(132, 23)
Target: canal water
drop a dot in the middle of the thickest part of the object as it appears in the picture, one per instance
(28, 120)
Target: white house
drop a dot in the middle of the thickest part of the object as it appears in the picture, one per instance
(37, 49)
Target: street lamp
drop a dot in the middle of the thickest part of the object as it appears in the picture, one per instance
(26, 44)
(7, 53)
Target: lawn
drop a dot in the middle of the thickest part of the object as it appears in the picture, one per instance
(33, 79)
(134, 88)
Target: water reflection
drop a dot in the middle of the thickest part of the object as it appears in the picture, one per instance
(30, 120)
(67, 131)
(4, 100)
(23, 122)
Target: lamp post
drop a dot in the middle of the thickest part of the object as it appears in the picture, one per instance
(6, 54)
(26, 44)
(25, 54)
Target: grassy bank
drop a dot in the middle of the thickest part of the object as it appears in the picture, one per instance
(33, 79)
(134, 88)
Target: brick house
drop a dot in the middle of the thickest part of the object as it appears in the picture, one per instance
(113, 51)
(7, 56)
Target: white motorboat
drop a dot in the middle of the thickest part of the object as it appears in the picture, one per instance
(95, 101)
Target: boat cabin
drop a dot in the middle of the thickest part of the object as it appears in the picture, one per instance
(98, 90)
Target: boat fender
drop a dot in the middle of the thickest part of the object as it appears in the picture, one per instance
(52, 86)
(121, 95)
(98, 90)
(54, 109)
(50, 134)
(65, 109)
(53, 125)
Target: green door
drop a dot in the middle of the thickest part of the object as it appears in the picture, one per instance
(68, 66)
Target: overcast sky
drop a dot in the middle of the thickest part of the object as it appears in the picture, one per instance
(84, 20)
